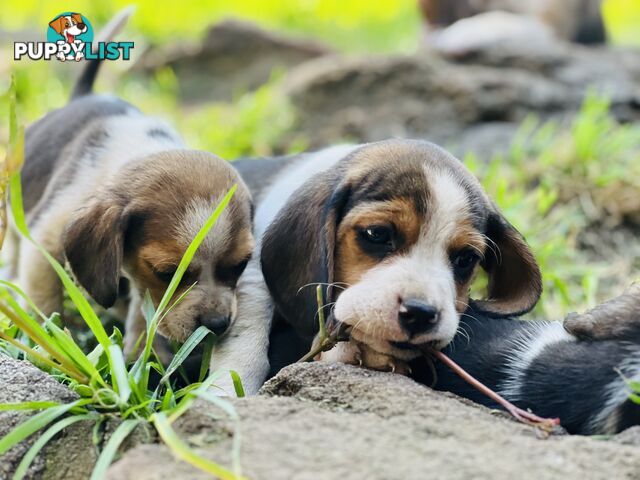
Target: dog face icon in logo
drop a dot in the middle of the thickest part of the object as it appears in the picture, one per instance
(71, 31)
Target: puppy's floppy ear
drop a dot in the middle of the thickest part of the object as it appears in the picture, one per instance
(94, 246)
(515, 283)
(298, 249)
(58, 24)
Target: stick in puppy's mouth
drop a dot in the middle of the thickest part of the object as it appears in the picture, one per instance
(339, 332)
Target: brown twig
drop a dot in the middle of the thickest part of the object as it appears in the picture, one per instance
(524, 416)
(329, 333)
(340, 333)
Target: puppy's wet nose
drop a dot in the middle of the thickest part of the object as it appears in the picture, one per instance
(81, 26)
(218, 324)
(417, 317)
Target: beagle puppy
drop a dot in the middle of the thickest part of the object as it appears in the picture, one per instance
(119, 196)
(394, 232)
(69, 27)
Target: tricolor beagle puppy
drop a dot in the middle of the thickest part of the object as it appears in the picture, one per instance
(395, 231)
(119, 196)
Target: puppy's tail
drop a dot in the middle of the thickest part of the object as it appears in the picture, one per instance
(84, 84)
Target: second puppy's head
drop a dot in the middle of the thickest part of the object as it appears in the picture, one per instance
(139, 226)
(400, 227)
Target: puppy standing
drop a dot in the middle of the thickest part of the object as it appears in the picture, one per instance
(118, 195)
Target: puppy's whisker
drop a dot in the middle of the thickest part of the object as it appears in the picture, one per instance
(328, 285)
(493, 246)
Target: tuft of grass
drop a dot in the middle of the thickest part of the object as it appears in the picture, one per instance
(106, 384)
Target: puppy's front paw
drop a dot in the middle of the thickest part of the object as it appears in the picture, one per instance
(342, 352)
(384, 363)
(355, 353)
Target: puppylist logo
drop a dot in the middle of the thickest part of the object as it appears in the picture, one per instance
(70, 37)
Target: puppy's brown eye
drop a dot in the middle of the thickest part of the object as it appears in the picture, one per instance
(377, 240)
(378, 234)
(229, 274)
(463, 263)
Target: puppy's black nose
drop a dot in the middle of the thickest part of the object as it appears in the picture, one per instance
(417, 317)
(218, 324)
(81, 26)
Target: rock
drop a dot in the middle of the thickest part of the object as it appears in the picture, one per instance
(631, 436)
(320, 421)
(422, 96)
(234, 57)
(439, 98)
(71, 455)
(20, 381)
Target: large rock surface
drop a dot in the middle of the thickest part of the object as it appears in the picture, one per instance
(446, 100)
(318, 421)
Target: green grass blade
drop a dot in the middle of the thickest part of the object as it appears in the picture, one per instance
(209, 343)
(73, 351)
(182, 268)
(81, 303)
(44, 360)
(187, 347)
(35, 423)
(33, 330)
(148, 309)
(237, 383)
(219, 402)
(24, 296)
(111, 448)
(10, 407)
(119, 373)
(39, 444)
(182, 451)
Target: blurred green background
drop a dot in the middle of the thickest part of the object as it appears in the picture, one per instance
(541, 184)
(352, 25)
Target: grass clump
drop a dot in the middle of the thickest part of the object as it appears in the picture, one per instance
(108, 386)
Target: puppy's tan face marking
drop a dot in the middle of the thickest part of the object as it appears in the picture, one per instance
(425, 248)
(399, 215)
(212, 274)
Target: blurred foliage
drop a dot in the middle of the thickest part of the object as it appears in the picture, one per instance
(556, 182)
(353, 25)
